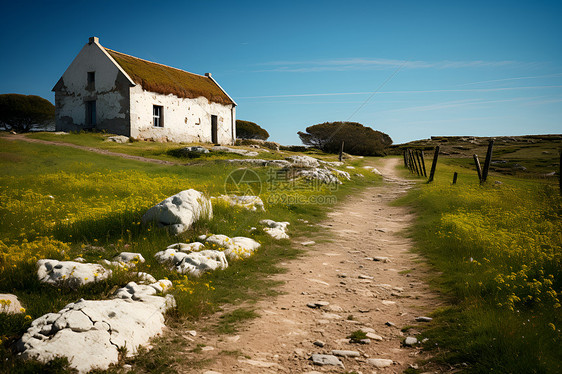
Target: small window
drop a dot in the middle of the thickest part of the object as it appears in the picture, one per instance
(91, 80)
(91, 113)
(157, 116)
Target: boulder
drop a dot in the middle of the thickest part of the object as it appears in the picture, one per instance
(277, 230)
(90, 332)
(242, 152)
(179, 212)
(303, 161)
(380, 362)
(193, 263)
(10, 304)
(128, 259)
(234, 248)
(194, 149)
(321, 175)
(70, 273)
(189, 247)
(253, 203)
(118, 139)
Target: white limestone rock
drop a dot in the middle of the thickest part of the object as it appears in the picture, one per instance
(179, 212)
(340, 174)
(128, 259)
(242, 152)
(118, 139)
(335, 164)
(372, 169)
(89, 332)
(193, 263)
(70, 273)
(234, 248)
(277, 230)
(253, 203)
(260, 162)
(10, 304)
(188, 247)
(380, 362)
(303, 161)
(321, 175)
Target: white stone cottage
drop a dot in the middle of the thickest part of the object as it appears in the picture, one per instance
(108, 90)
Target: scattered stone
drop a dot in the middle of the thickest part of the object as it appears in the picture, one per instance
(320, 175)
(374, 336)
(277, 230)
(253, 203)
(319, 343)
(10, 304)
(192, 332)
(342, 275)
(424, 319)
(381, 259)
(70, 273)
(188, 247)
(311, 242)
(89, 332)
(242, 152)
(194, 149)
(323, 360)
(193, 263)
(365, 341)
(128, 258)
(303, 161)
(362, 276)
(390, 324)
(341, 353)
(372, 169)
(260, 162)
(317, 304)
(118, 139)
(410, 341)
(380, 362)
(180, 211)
(234, 248)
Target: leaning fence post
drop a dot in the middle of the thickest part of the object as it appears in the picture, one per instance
(455, 175)
(560, 173)
(415, 162)
(487, 162)
(341, 151)
(478, 168)
(423, 164)
(405, 160)
(433, 165)
(419, 162)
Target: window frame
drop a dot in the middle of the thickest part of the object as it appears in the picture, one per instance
(91, 80)
(157, 119)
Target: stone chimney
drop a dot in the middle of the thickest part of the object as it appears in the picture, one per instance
(93, 39)
(208, 75)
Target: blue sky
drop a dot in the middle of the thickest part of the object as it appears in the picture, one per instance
(411, 69)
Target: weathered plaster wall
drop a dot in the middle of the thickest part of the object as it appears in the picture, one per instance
(185, 120)
(111, 93)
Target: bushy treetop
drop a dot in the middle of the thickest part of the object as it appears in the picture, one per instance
(20, 112)
(250, 130)
(359, 139)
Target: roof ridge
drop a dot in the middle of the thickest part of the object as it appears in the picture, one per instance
(156, 63)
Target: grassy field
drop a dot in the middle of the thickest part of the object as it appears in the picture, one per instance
(497, 252)
(63, 203)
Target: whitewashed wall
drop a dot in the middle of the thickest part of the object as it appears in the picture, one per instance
(185, 120)
(111, 93)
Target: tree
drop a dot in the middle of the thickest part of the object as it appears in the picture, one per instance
(358, 139)
(20, 112)
(250, 130)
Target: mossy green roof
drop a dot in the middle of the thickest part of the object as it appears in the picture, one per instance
(167, 80)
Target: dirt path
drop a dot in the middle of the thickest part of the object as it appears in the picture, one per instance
(24, 138)
(361, 292)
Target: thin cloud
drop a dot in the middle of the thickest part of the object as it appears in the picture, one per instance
(513, 79)
(498, 89)
(349, 64)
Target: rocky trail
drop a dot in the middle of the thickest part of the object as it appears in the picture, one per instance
(361, 276)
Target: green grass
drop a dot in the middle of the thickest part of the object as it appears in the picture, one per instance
(61, 203)
(498, 250)
(229, 322)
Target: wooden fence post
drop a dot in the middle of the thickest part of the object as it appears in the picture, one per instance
(405, 160)
(423, 164)
(487, 162)
(433, 165)
(341, 151)
(455, 175)
(560, 173)
(415, 163)
(478, 168)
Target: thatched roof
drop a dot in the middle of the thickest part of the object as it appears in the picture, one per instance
(167, 80)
